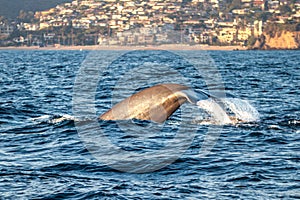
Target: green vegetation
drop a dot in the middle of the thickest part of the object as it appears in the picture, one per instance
(273, 29)
(285, 10)
(251, 41)
(234, 4)
(26, 17)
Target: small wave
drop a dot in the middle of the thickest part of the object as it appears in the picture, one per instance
(274, 126)
(62, 118)
(41, 118)
(294, 122)
(54, 119)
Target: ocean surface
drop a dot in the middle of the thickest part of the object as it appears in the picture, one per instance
(52, 145)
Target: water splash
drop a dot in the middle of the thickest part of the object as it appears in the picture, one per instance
(235, 111)
(242, 109)
(218, 114)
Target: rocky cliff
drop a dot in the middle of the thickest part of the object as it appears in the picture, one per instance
(279, 40)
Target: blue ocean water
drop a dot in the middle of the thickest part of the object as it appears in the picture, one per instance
(43, 155)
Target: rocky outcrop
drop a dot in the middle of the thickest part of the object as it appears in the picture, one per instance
(283, 40)
(280, 40)
(259, 43)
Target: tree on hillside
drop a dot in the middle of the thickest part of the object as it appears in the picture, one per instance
(235, 4)
(264, 16)
(2, 19)
(285, 10)
(26, 17)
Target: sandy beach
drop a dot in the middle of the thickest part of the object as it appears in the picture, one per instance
(171, 47)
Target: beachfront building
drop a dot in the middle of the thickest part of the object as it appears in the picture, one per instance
(30, 26)
(243, 35)
(227, 35)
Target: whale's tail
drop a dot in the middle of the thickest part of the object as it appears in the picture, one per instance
(156, 103)
(159, 102)
(191, 96)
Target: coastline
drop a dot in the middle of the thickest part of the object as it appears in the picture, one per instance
(171, 47)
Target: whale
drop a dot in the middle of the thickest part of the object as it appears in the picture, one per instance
(156, 103)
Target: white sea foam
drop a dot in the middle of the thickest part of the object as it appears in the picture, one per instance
(41, 118)
(294, 122)
(53, 119)
(62, 118)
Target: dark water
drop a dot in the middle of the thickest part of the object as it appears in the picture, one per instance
(42, 156)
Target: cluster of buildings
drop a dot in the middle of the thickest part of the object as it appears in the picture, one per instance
(127, 22)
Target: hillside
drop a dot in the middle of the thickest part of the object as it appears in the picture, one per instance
(11, 8)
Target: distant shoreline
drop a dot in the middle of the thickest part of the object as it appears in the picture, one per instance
(171, 47)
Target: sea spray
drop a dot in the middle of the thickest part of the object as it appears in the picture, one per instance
(218, 114)
(235, 110)
(241, 109)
